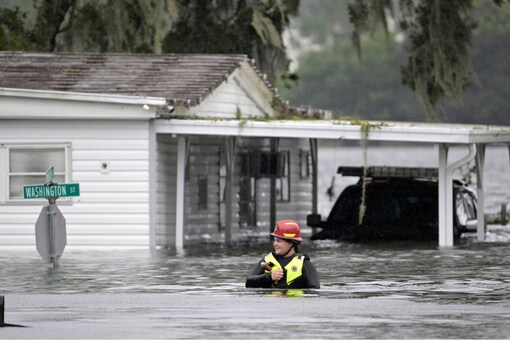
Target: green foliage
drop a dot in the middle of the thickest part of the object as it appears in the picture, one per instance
(439, 35)
(440, 38)
(12, 30)
(365, 16)
(50, 22)
(333, 77)
(439, 61)
(96, 26)
(468, 171)
(254, 28)
(486, 101)
(335, 80)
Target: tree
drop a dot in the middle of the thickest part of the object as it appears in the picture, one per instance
(155, 26)
(254, 28)
(486, 100)
(334, 79)
(12, 29)
(439, 35)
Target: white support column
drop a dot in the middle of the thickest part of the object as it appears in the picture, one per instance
(446, 233)
(480, 162)
(442, 192)
(315, 178)
(179, 208)
(152, 183)
(230, 150)
(275, 145)
(315, 172)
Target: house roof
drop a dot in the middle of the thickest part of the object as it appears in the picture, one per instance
(179, 78)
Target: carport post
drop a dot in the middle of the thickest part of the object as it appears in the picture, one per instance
(275, 145)
(444, 240)
(315, 171)
(153, 175)
(446, 199)
(179, 208)
(480, 216)
(230, 147)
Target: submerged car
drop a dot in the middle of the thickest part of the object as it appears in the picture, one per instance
(399, 204)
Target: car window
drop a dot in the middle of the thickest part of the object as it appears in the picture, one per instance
(418, 210)
(460, 208)
(381, 208)
(470, 205)
(407, 203)
(345, 210)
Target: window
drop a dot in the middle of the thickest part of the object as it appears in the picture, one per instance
(283, 182)
(262, 164)
(202, 192)
(247, 201)
(304, 163)
(462, 213)
(27, 165)
(253, 166)
(470, 205)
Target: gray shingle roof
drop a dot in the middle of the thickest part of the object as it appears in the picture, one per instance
(180, 78)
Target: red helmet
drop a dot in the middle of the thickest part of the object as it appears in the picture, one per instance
(288, 230)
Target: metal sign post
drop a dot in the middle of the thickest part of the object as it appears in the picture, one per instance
(50, 233)
(50, 228)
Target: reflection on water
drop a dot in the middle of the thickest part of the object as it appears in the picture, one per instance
(471, 272)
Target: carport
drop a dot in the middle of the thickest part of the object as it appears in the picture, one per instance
(444, 136)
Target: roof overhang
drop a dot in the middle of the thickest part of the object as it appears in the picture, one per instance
(341, 130)
(45, 104)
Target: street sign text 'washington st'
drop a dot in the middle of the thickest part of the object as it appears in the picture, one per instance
(45, 191)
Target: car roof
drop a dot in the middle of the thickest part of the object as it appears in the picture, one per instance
(389, 172)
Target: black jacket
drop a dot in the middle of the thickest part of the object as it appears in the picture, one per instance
(257, 278)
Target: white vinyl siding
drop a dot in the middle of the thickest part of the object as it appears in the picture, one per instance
(202, 221)
(166, 185)
(238, 95)
(113, 208)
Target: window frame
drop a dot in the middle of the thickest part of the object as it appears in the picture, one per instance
(5, 152)
(305, 161)
(283, 182)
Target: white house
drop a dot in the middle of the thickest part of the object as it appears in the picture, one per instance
(94, 117)
(171, 150)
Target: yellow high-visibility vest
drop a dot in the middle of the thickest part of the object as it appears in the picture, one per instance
(294, 268)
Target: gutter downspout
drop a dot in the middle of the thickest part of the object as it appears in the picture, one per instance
(446, 228)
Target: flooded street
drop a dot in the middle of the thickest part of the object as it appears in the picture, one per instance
(377, 290)
(390, 290)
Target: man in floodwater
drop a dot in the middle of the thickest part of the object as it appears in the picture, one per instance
(284, 268)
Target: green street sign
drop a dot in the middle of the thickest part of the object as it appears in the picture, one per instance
(50, 175)
(45, 191)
